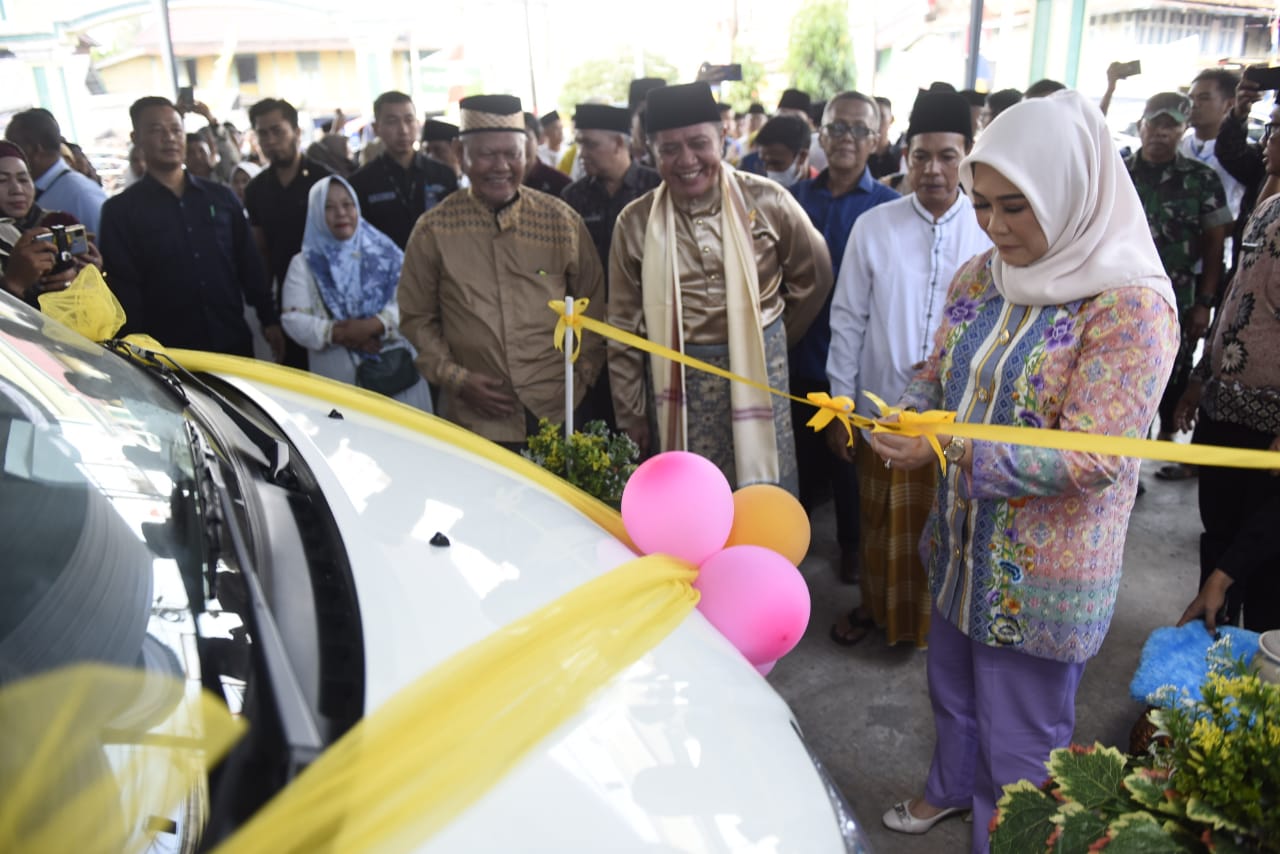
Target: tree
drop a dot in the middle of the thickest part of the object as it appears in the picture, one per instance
(608, 80)
(820, 53)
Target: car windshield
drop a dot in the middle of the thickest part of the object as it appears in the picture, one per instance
(99, 563)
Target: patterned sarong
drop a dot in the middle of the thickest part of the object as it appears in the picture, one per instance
(710, 411)
(893, 507)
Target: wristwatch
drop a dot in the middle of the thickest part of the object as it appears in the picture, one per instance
(954, 451)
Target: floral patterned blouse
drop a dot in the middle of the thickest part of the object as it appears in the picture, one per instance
(1025, 551)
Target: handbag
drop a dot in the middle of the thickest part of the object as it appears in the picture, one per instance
(390, 372)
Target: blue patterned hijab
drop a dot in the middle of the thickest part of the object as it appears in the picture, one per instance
(356, 277)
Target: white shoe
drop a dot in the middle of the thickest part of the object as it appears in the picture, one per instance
(899, 818)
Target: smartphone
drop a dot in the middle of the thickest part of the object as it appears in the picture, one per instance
(186, 96)
(1129, 69)
(1267, 77)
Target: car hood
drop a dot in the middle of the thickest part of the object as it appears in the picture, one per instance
(687, 749)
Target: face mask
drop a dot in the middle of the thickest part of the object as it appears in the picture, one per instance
(786, 178)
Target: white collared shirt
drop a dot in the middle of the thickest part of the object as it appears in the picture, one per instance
(1191, 146)
(890, 294)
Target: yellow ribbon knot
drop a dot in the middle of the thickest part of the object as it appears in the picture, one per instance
(567, 322)
(912, 423)
(830, 408)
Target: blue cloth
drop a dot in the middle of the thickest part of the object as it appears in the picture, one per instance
(1177, 657)
(62, 188)
(834, 216)
(753, 163)
(356, 277)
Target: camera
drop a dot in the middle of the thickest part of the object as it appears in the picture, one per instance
(68, 241)
(1128, 69)
(720, 73)
(1266, 77)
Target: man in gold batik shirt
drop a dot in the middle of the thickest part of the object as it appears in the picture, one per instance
(726, 267)
(478, 272)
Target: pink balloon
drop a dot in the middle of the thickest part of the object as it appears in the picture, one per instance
(679, 504)
(766, 668)
(756, 598)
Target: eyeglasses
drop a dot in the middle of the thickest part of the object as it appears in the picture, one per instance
(1268, 129)
(835, 130)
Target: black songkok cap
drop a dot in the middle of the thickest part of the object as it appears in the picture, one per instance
(490, 112)
(437, 131)
(941, 112)
(680, 106)
(755, 110)
(641, 87)
(550, 117)
(794, 99)
(602, 117)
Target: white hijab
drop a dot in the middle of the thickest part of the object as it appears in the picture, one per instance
(1058, 152)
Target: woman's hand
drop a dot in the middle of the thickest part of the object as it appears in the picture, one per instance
(904, 452)
(1209, 602)
(359, 333)
(30, 264)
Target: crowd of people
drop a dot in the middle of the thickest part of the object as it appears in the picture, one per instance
(1000, 259)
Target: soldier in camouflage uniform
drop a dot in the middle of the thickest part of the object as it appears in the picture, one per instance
(1188, 216)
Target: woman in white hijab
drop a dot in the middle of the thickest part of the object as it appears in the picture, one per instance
(1068, 323)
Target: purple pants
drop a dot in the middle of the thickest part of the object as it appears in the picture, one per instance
(998, 714)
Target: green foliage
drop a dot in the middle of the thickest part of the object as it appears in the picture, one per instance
(1210, 784)
(607, 81)
(1024, 819)
(1093, 778)
(594, 460)
(820, 51)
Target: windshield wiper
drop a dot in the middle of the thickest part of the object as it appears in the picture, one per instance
(173, 376)
(221, 529)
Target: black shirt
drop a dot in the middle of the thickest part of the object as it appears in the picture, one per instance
(599, 211)
(546, 180)
(281, 212)
(887, 162)
(392, 198)
(183, 268)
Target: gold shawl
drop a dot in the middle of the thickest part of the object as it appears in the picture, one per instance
(755, 445)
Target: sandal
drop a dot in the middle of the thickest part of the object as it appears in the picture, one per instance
(1176, 471)
(857, 630)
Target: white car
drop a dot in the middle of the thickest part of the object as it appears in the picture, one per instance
(264, 534)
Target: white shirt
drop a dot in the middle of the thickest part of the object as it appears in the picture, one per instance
(1192, 147)
(890, 294)
(550, 156)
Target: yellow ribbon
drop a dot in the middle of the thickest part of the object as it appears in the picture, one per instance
(929, 424)
(839, 408)
(910, 423)
(567, 322)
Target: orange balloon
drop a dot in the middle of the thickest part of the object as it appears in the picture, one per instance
(769, 516)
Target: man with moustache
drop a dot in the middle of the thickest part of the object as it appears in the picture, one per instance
(1188, 216)
(478, 272)
(834, 200)
(177, 251)
(613, 179)
(726, 267)
(400, 184)
(888, 302)
(276, 200)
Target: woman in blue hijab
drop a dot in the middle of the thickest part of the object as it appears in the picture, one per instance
(339, 299)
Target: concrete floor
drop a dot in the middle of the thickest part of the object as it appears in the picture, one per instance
(865, 709)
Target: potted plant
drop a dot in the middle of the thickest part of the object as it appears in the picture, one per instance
(596, 460)
(1210, 783)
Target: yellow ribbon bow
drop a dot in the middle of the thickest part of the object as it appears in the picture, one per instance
(567, 322)
(830, 409)
(911, 423)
